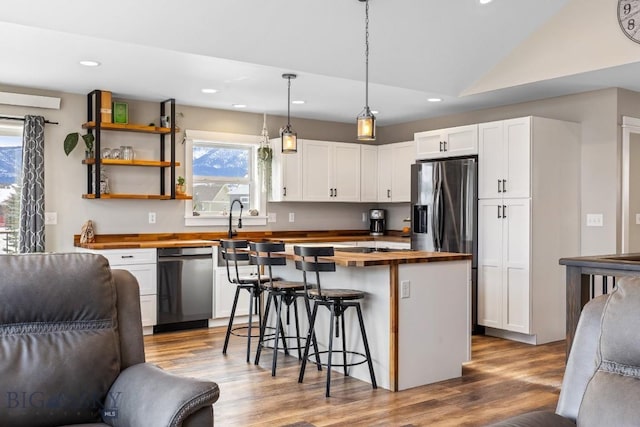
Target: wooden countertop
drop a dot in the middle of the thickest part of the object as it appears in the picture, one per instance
(150, 244)
(355, 259)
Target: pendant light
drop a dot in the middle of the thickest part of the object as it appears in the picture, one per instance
(288, 136)
(366, 119)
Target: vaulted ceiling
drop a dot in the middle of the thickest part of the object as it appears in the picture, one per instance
(470, 55)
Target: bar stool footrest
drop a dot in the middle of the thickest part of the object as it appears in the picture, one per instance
(257, 328)
(312, 358)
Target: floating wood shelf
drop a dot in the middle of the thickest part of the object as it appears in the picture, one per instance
(128, 127)
(136, 196)
(120, 162)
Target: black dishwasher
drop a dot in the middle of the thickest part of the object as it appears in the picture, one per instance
(185, 288)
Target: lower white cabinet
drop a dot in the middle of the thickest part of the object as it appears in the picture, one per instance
(224, 292)
(503, 264)
(142, 263)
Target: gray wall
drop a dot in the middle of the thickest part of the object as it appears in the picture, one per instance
(597, 111)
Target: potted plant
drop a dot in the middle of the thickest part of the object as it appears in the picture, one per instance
(180, 185)
(71, 141)
(265, 155)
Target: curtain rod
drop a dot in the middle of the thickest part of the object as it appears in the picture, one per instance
(22, 119)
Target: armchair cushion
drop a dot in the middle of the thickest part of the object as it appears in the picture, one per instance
(144, 395)
(59, 345)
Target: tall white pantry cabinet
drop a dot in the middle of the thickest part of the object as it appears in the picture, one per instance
(528, 218)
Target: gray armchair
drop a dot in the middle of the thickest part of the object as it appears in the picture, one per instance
(71, 350)
(602, 379)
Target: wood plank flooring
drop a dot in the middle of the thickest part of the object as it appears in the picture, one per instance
(504, 378)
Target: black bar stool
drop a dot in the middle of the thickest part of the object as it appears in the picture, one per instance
(337, 301)
(233, 252)
(264, 255)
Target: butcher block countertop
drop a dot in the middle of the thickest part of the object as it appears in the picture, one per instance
(351, 259)
(176, 240)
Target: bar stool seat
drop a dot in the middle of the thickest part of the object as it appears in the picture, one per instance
(265, 255)
(337, 301)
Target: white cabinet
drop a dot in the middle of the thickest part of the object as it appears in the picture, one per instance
(525, 224)
(142, 264)
(451, 142)
(504, 156)
(286, 175)
(503, 264)
(331, 171)
(394, 171)
(369, 173)
(224, 292)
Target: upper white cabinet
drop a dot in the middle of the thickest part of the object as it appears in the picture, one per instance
(394, 171)
(451, 142)
(369, 174)
(331, 171)
(504, 158)
(286, 174)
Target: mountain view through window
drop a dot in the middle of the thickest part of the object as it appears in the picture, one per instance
(10, 186)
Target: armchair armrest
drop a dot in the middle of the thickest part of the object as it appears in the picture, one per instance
(145, 395)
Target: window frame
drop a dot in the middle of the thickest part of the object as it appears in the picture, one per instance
(229, 140)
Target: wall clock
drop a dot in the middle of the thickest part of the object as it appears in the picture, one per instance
(629, 18)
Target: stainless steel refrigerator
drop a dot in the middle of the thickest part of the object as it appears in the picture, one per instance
(444, 211)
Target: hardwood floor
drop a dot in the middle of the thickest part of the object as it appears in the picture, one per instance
(504, 378)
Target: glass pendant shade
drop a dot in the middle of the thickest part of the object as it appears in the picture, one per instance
(366, 126)
(289, 140)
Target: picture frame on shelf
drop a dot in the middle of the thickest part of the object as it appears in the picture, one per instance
(120, 112)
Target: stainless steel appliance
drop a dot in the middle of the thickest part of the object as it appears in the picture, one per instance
(376, 222)
(185, 288)
(444, 210)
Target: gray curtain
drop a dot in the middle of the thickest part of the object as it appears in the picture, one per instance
(32, 202)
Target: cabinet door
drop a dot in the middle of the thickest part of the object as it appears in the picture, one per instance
(225, 292)
(490, 225)
(461, 141)
(385, 171)
(316, 160)
(490, 160)
(145, 274)
(517, 137)
(403, 157)
(516, 279)
(286, 181)
(429, 144)
(346, 172)
(148, 310)
(368, 173)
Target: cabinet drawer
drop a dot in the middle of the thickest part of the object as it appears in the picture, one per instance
(129, 256)
(148, 310)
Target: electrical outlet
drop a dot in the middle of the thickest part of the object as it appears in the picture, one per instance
(637, 218)
(405, 289)
(292, 216)
(595, 220)
(271, 217)
(152, 217)
(50, 218)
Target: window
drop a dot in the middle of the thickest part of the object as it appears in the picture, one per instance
(10, 187)
(221, 168)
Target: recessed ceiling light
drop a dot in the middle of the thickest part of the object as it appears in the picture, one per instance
(298, 101)
(90, 63)
(239, 105)
(207, 90)
(485, 1)
(434, 99)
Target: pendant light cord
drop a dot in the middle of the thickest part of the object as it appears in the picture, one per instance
(366, 55)
(288, 102)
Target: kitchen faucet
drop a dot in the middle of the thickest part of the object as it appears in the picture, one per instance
(231, 233)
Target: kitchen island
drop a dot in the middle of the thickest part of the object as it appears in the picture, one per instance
(417, 313)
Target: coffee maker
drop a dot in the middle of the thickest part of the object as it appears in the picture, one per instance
(376, 222)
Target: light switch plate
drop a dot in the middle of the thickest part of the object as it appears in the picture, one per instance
(292, 216)
(50, 218)
(271, 217)
(638, 218)
(405, 289)
(152, 217)
(595, 220)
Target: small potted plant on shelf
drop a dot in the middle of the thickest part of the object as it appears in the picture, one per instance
(180, 186)
(71, 141)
